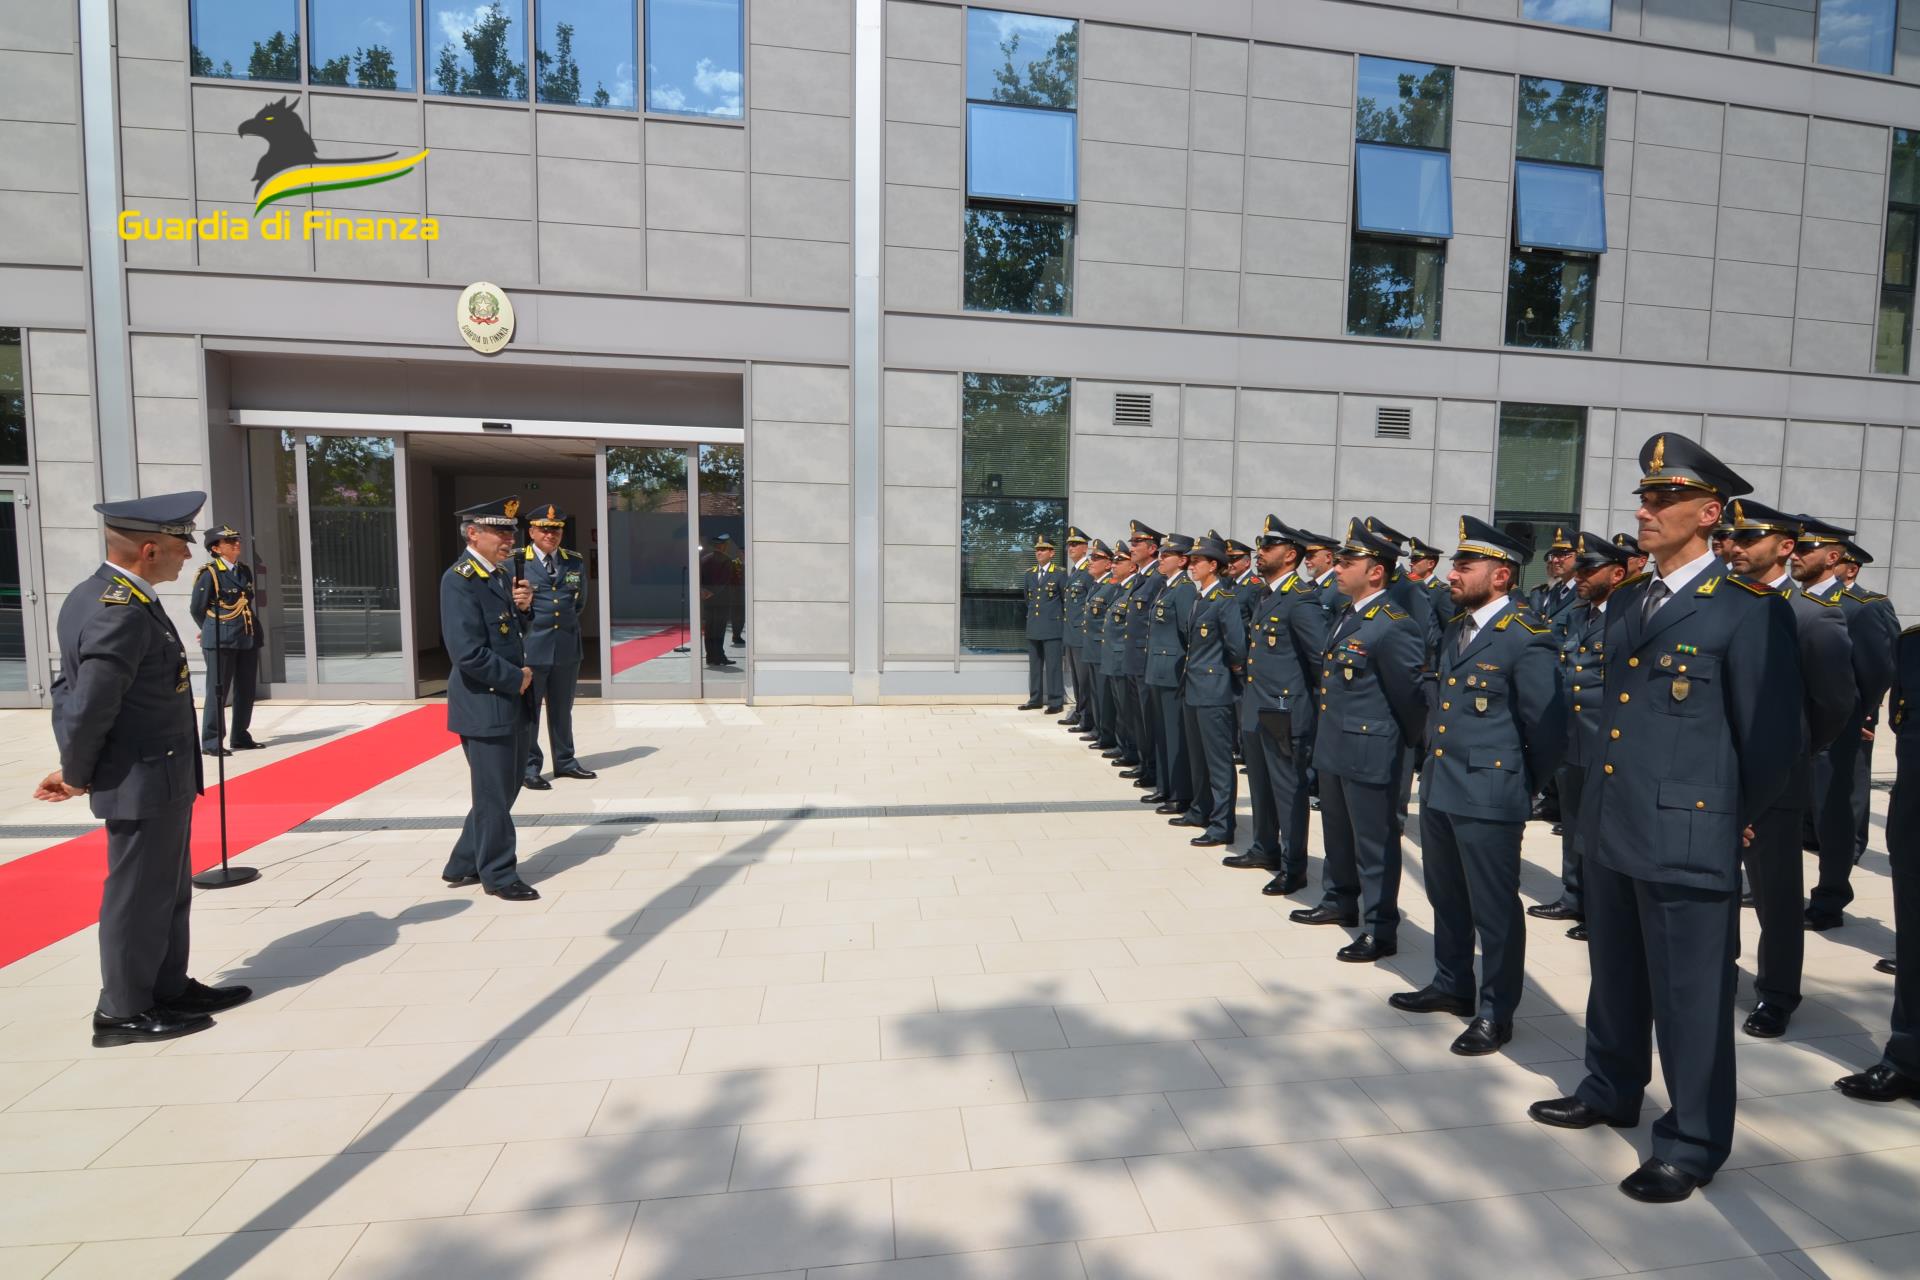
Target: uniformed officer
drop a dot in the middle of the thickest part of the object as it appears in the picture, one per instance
(1852, 558)
(1278, 706)
(558, 577)
(1702, 723)
(1423, 564)
(1897, 1074)
(1554, 597)
(1762, 543)
(1408, 595)
(1721, 543)
(1372, 707)
(1636, 558)
(222, 607)
(1497, 727)
(1216, 657)
(1249, 586)
(1166, 672)
(1316, 566)
(1599, 567)
(1046, 613)
(1093, 635)
(1073, 630)
(484, 610)
(123, 719)
(1125, 747)
(1148, 583)
(1873, 628)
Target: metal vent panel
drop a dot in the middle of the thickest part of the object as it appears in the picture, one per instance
(1133, 408)
(1391, 422)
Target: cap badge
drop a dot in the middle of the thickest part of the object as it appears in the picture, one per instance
(512, 508)
(1659, 456)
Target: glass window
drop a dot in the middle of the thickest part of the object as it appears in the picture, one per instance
(1905, 185)
(1017, 153)
(477, 51)
(1559, 207)
(1394, 289)
(247, 39)
(13, 605)
(356, 560)
(695, 64)
(1013, 478)
(364, 44)
(1562, 121)
(723, 614)
(13, 401)
(1595, 15)
(280, 581)
(1536, 474)
(1550, 300)
(1856, 34)
(584, 55)
(1407, 104)
(1022, 59)
(649, 594)
(1404, 192)
(1019, 260)
(1893, 342)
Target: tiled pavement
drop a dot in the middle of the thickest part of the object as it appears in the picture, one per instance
(966, 1044)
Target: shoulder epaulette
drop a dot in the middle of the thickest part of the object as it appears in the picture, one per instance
(1641, 576)
(1708, 587)
(1834, 603)
(117, 593)
(1913, 630)
(1759, 589)
(1864, 597)
(464, 568)
(1526, 623)
(1456, 617)
(1392, 613)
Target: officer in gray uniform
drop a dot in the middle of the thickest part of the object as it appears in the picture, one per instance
(558, 577)
(222, 607)
(1496, 727)
(123, 720)
(1046, 615)
(1700, 729)
(1636, 558)
(1146, 588)
(1423, 567)
(1762, 541)
(1372, 709)
(484, 611)
(1118, 691)
(1555, 597)
(1093, 628)
(1167, 634)
(1073, 630)
(1216, 657)
(1409, 595)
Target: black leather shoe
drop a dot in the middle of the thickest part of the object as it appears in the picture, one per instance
(1579, 932)
(576, 771)
(1208, 840)
(1183, 820)
(1055, 710)
(199, 999)
(1251, 860)
(1554, 911)
(518, 891)
(1145, 784)
(1430, 999)
(1324, 914)
(1482, 1037)
(1153, 798)
(1130, 771)
(154, 1024)
(1365, 949)
(1878, 1083)
(1111, 753)
(460, 882)
(248, 745)
(1069, 721)
(1028, 706)
(534, 782)
(1884, 966)
(1658, 1182)
(1282, 885)
(1767, 1021)
(1571, 1113)
(1559, 829)
(1821, 921)
(1169, 807)
(215, 751)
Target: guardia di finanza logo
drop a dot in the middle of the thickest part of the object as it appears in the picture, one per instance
(293, 167)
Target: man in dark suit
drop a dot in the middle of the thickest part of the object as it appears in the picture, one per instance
(1165, 675)
(1045, 592)
(1701, 727)
(558, 577)
(484, 611)
(1497, 727)
(222, 607)
(1073, 631)
(1216, 655)
(123, 719)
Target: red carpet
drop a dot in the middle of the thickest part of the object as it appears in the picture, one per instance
(56, 891)
(631, 653)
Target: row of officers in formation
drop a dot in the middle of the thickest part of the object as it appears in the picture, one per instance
(1703, 696)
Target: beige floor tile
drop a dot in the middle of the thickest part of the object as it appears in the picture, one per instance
(1035, 1262)
(243, 1131)
(72, 1206)
(1016, 990)
(807, 1001)
(1768, 1069)
(246, 1030)
(1811, 1125)
(666, 1010)
(554, 1059)
(1074, 1129)
(783, 1044)
(31, 1141)
(1007, 1208)
(1320, 973)
(1513, 1236)
(1313, 1055)
(377, 990)
(903, 962)
(1260, 1115)
(607, 1169)
(33, 1261)
(1495, 1092)
(749, 1232)
(985, 905)
(1737, 1215)
(914, 1084)
(738, 971)
(1222, 979)
(921, 1035)
(149, 1082)
(1089, 953)
(1425, 1045)
(515, 1113)
(407, 1068)
(543, 1244)
(707, 1099)
(930, 932)
(1467, 1164)
(505, 953)
(325, 1190)
(1612, 1153)
(1856, 1196)
(882, 888)
(1050, 927)
(484, 1019)
(1197, 948)
(306, 1253)
(562, 924)
(1250, 1184)
(856, 911)
(1100, 1070)
(1303, 1249)
(1145, 1021)
(798, 940)
(1887, 1258)
(848, 1149)
(1287, 1012)
(1219, 920)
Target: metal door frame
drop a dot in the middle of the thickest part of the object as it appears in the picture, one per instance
(33, 625)
(611, 690)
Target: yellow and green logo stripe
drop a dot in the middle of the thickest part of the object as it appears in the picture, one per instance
(310, 178)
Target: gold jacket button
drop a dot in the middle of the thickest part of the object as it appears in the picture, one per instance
(1624, 697)
(1451, 680)
(1446, 706)
(1439, 751)
(1440, 729)
(1633, 662)
(1607, 768)
(1699, 804)
(1614, 734)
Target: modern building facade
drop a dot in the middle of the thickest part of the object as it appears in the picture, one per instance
(879, 289)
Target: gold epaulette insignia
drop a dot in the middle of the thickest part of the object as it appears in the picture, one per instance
(119, 593)
(1526, 624)
(1393, 614)
(1862, 595)
(1369, 613)
(1757, 588)
(1708, 587)
(1641, 576)
(464, 568)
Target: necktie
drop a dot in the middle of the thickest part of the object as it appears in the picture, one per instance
(1467, 629)
(1657, 594)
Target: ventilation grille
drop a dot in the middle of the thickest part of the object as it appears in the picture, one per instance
(1133, 408)
(1391, 423)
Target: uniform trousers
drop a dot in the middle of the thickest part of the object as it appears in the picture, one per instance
(1076, 664)
(487, 841)
(1662, 958)
(235, 673)
(1146, 731)
(1834, 776)
(1216, 783)
(1274, 784)
(1862, 799)
(1473, 881)
(1044, 681)
(1103, 710)
(1360, 824)
(1120, 714)
(554, 687)
(1778, 880)
(143, 911)
(1573, 783)
(1903, 849)
(1172, 748)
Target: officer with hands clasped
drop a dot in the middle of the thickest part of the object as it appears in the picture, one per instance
(1216, 655)
(1074, 631)
(483, 613)
(558, 577)
(123, 719)
(1496, 730)
(1701, 724)
(222, 607)
(1046, 614)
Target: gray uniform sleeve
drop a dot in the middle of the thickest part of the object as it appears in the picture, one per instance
(110, 648)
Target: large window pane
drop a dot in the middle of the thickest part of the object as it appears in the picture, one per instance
(1898, 264)
(723, 615)
(280, 579)
(1893, 341)
(1013, 478)
(366, 44)
(1905, 185)
(1017, 153)
(1404, 192)
(649, 593)
(1595, 15)
(1550, 300)
(1022, 59)
(356, 560)
(694, 61)
(13, 401)
(1409, 104)
(13, 609)
(477, 50)
(1857, 34)
(585, 54)
(1537, 466)
(245, 39)
(1562, 121)
(1019, 260)
(1559, 207)
(1394, 289)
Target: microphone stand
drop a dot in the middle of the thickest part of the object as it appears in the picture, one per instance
(223, 876)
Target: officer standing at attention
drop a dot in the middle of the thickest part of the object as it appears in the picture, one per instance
(1372, 710)
(1423, 564)
(1636, 558)
(1073, 631)
(1093, 628)
(1701, 726)
(559, 581)
(1852, 558)
(1496, 729)
(1125, 746)
(1554, 597)
(1166, 672)
(1409, 595)
(1763, 540)
(222, 607)
(1046, 614)
(123, 719)
(1249, 587)
(1147, 586)
(483, 613)
(1216, 657)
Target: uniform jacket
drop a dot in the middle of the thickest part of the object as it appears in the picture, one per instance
(1216, 647)
(1875, 628)
(222, 606)
(1583, 676)
(1554, 602)
(1118, 609)
(1497, 728)
(1284, 650)
(1250, 591)
(1168, 632)
(1428, 613)
(1372, 699)
(1147, 586)
(122, 703)
(1046, 592)
(482, 632)
(1700, 724)
(1079, 586)
(1904, 716)
(559, 602)
(1826, 666)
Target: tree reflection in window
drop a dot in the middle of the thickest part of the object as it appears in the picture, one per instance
(1013, 469)
(489, 59)
(1394, 289)
(1550, 300)
(1019, 259)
